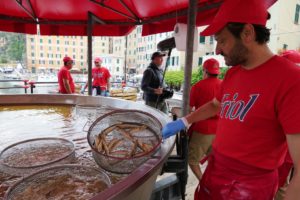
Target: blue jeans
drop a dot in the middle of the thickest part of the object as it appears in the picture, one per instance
(100, 91)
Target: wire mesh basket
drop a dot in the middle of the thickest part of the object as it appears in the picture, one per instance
(31, 155)
(123, 139)
(60, 182)
(91, 113)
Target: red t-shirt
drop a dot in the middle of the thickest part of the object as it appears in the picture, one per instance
(100, 77)
(64, 73)
(201, 93)
(258, 107)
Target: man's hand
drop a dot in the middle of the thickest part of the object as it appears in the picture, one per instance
(172, 128)
(158, 91)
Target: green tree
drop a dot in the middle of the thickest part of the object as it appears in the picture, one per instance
(13, 47)
(175, 79)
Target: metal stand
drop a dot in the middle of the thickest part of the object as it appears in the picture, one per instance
(174, 187)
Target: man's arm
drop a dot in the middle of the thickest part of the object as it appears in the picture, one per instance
(67, 86)
(147, 77)
(108, 84)
(210, 109)
(206, 111)
(293, 191)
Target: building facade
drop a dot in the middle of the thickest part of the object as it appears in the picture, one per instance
(132, 53)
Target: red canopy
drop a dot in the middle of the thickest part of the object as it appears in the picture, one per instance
(115, 17)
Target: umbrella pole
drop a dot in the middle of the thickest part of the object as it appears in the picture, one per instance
(192, 13)
(90, 51)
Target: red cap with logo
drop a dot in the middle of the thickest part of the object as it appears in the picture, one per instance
(67, 59)
(97, 59)
(240, 11)
(212, 66)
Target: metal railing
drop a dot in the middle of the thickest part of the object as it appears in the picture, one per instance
(29, 85)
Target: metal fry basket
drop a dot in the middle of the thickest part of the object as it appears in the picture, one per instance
(124, 139)
(59, 183)
(31, 155)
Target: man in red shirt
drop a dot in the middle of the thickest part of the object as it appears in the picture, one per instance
(100, 77)
(203, 132)
(258, 106)
(284, 171)
(65, 80)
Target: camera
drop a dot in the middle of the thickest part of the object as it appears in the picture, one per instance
(167, 93)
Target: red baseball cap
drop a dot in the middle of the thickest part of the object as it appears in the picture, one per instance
(240, 11)
(97, 59)
(292, 55)
(212, 66)
(67, 59)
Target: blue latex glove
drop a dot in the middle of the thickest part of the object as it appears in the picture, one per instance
(172, 128)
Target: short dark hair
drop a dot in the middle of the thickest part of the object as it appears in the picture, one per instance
(209, 74)
(262, 32)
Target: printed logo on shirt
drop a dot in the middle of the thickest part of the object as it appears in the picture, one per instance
(236, 109)
(99, 75)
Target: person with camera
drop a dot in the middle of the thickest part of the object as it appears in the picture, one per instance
(152, 84)
(203, 132)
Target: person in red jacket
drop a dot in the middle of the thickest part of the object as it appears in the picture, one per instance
(258, 106)
(284, 171)
(65, 80)
(100, 77)
(203, 132)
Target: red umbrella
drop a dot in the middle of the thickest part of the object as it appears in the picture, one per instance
(114, 17)
(292, 55)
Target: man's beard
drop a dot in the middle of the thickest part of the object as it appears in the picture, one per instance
(237, 55)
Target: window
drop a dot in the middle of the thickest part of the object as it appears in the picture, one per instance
(32, 62)
(200, 59)
(285, 46)
(211, 40)
(297, 14)
(31, 39)
(173, 61)
(117, 69)
(49, 41)
(41, 40)
(202, 39)
(32, 54)
(42, 55)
